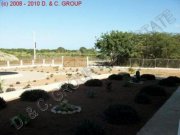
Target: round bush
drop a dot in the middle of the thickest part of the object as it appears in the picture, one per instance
(148, 77)
(94, 83)
(115, 77)
(153, 90)
(89, 128)
(142, 98)
(34, 95)
(2, 103)
(125, 75)
(121, 114)
(170, 81)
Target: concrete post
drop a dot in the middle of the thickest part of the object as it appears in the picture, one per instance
(8, 63)
(52, 61)
(44, 61)
(32, 62)
(62, 61)
(21, 63)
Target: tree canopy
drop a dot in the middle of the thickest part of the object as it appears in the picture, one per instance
(137, 45)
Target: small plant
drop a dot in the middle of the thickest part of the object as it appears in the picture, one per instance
(18, 82)
(27, 86)
(34, 80)
(153, 90)
(2, 103)
(34, 95)
(68, 87)
(89, 128)
(11, 85)
(131, 70)
(148, 77)
(138, 76)
(115, 77)
(47, 78)
(142, 98)
(94, 83)
(52, 75)
(10, 89)
(121, 114)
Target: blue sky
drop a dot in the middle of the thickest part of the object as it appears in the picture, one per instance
(73, 27)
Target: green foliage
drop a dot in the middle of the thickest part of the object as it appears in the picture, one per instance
(34, 95)
(148, 77)
(115, 77)
(121, 114)
(171, 81)
(117, 44)
(153, 90)
(2, 103)
(89, 128)
(94, 83)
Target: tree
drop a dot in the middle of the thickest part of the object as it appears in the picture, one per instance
(115, 44)
(82, 50)
(61, 49)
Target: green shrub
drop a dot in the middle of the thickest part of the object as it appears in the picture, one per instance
(94, 83)
(170, 81)
(2, 103)
(115, 77)
(148, 77)
(89, 128)
(142, 98)
(125, 75)
(34, 95)
(121, 114)
(153, 90)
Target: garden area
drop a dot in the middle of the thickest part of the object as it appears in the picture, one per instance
(118, 105)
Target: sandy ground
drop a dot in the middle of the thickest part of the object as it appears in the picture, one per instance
(36, 76)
